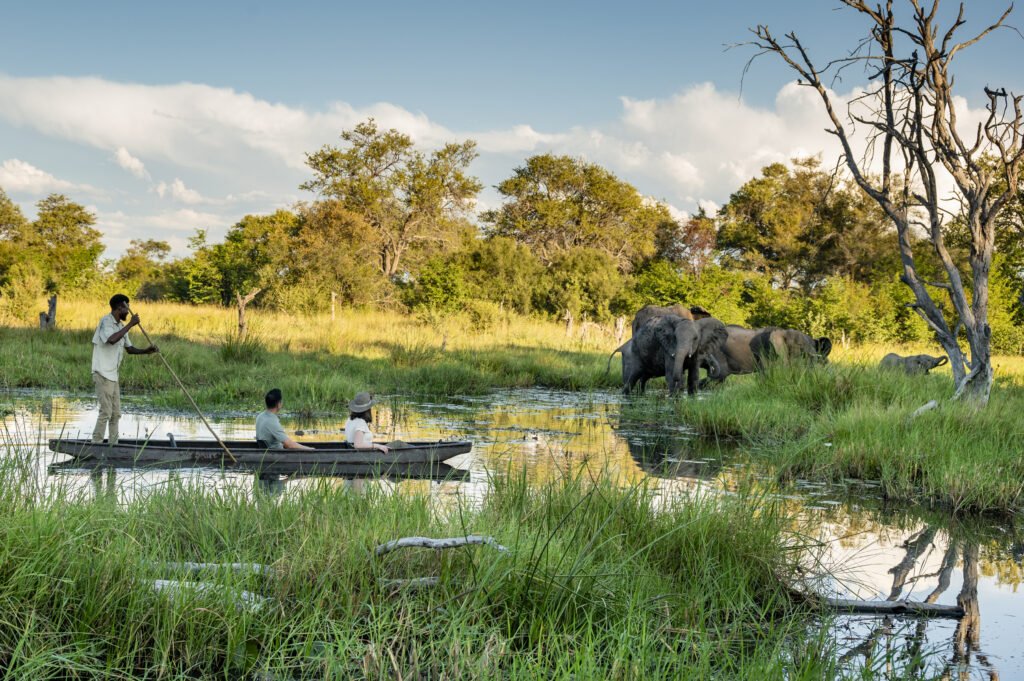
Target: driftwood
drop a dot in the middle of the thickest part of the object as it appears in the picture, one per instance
(48, 319)
(437, 544)
(412, 584)
(912, 608)
(197, 568)
(932, 404)
(243, 599)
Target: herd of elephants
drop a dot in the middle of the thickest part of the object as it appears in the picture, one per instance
(671, 341)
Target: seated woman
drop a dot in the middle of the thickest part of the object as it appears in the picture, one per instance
(357, 428)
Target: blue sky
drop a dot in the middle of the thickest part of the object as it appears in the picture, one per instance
(168, 117)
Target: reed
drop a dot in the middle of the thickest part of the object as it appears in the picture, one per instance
(852, 420)
(600, 582)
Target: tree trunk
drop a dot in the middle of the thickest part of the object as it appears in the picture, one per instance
(48, 320)
(243, 327)
(334, 297)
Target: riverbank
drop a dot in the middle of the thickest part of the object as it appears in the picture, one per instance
(596, 584)
(851, 420)
(318, 362)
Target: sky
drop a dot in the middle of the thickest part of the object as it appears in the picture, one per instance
(167, 118)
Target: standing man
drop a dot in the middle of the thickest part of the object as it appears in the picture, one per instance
(269, 432)
(109, 344)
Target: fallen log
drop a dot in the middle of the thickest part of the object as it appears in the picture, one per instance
(243, 599)
(196, 568)
(914, 608)
(413, 583)
(438, 544)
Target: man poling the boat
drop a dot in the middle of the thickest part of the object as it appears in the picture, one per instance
(268, 426)
(357, 428)
(110, 342)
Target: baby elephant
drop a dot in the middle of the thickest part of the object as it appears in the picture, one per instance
(915, 364)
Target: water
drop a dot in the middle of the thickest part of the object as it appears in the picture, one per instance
(858, 546)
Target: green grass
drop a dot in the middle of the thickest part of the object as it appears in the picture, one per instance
(851, 421)
(599, 582)
(318, 362)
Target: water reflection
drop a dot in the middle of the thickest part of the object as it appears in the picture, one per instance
(869, 550)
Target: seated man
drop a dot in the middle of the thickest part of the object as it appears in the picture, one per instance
(269, 432)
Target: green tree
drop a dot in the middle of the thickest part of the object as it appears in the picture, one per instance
(801, 225)
(62, 242)
(500, 270)
(255, 254)
(12, 224)
(408, 199)
(554, 204)
(582, 281)
(144, 267)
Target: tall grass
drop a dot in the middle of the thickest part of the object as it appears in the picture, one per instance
(317, 361)
(853, 421)
(599, 582)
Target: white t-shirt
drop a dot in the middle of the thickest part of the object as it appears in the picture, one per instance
(107, 357)
(353, 426)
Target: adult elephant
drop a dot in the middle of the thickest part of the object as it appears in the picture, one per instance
(668, 346)
(914, 364)
(747, 350)
(646, 312)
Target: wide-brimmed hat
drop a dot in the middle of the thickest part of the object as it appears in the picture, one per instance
(361, 402)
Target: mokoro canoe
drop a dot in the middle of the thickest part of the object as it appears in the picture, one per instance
(394, 472)
(251, 456)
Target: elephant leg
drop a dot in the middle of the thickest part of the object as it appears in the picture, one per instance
(692, 374)
(643, 384)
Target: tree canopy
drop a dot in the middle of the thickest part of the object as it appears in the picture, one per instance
(407, 198)
(554, 204)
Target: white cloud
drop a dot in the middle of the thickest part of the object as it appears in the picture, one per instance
(130, 163)
(179, 192)
(691, 149)
(18, 176)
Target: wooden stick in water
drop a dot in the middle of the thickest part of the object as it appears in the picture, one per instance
(185, 390)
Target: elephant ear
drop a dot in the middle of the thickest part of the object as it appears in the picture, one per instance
(761, 347)
(699, 312)
(823, 346)
(713, 334)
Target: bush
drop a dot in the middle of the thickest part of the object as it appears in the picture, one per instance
(20, 295)
(483, 315)
(582, 281)
(440, 287)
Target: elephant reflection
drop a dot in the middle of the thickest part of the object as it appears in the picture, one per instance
(667, 455)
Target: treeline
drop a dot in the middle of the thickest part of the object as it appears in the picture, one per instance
(391, 226)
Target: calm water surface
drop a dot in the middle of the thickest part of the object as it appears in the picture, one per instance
(865, 548)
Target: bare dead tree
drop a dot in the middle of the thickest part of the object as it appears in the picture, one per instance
(909, 112)
(243, 326)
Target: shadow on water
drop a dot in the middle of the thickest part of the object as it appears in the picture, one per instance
(859, 546)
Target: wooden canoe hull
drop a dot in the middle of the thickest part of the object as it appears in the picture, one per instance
(249, 455)
(400, 471)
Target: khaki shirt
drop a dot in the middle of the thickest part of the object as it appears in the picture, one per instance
(106, 357)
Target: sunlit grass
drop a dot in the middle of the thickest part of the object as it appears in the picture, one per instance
(318, 362)
(852, 420)
(600, 582)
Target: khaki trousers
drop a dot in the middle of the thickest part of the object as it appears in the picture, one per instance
(109, 394)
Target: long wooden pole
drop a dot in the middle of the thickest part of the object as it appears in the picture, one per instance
(185, 390)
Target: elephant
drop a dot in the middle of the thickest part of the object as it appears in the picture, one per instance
(646, 312)
(667, 346)
(914, 364)
(748, 350)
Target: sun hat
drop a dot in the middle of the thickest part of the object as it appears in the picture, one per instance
(361, 402)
